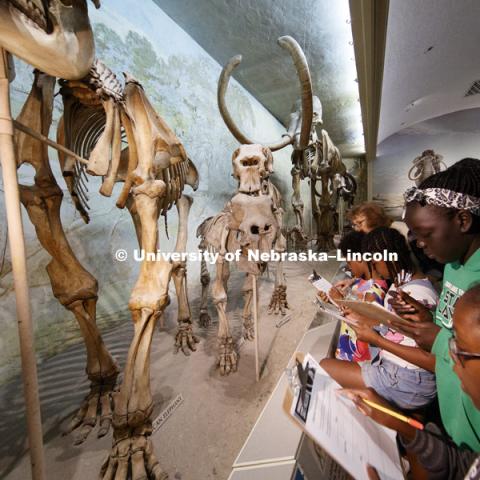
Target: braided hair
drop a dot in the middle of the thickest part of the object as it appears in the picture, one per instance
(351, 241)
(391, 240)
(462, 177)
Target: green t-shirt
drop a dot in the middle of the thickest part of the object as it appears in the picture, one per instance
(459, 416)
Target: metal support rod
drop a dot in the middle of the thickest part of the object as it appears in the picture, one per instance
(255, 326)
(51, 143)
(19, 268)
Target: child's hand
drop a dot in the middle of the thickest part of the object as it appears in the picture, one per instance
(408, 308)
(323, 297)
(424, 333)
(372, 473)
(365, 333)
(335, 294)
(358, 395)
(358, 318)
(342, 285)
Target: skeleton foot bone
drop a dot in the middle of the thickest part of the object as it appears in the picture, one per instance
(96, 405)
(227, 357)
(185, 340)
(298, 234)
(204, 320)
(248, 328)
(278, 302)
(132, 452)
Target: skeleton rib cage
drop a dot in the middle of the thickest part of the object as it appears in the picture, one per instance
(88, 106)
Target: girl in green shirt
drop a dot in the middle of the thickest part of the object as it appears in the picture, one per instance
(444, 215)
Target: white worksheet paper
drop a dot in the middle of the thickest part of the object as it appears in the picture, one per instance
(322, 284)
(351, 438)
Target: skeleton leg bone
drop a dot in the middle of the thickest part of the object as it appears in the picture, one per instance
(102, 383)
(325, 217)
(297, 204)
(226, 276)
(81, 286)
(248, 326)
(74, 287)
(132, 449)
(315, 211)
(204, 319)
(278, 301)
(185, 340)
(227, 357)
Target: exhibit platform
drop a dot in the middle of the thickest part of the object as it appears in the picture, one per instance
(275, 444)
(206, 431)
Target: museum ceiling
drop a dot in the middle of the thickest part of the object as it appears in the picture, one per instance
(251, 28)
(422, 39)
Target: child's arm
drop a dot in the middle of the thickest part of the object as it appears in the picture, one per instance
(345, 283)
(414, 355)
(436, 453)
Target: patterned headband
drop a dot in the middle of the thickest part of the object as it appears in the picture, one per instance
(442, 197)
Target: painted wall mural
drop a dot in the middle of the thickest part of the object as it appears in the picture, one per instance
(180, 79)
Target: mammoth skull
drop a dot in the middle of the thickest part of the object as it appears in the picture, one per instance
(251, 165)
(254, 222)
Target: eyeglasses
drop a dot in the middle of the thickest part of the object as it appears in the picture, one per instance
(358, 222)
(459, 355)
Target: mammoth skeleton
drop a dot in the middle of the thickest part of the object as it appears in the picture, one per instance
(314, 157)
(251, 221)
(100, 117)
(425, 165)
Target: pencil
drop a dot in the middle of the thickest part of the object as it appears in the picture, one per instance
(414, 423)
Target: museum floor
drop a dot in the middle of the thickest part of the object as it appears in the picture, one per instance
(205, 433)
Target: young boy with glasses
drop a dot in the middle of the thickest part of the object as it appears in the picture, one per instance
(439, 455)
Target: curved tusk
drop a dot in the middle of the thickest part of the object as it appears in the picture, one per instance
(410, 177)
(227, 118)
(303, 72)
(233, 63)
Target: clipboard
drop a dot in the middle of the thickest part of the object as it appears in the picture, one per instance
(334, 312)
(374, 311)
(323, 285)
(372, 434)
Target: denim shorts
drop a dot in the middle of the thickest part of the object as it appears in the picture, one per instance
(406, 388)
